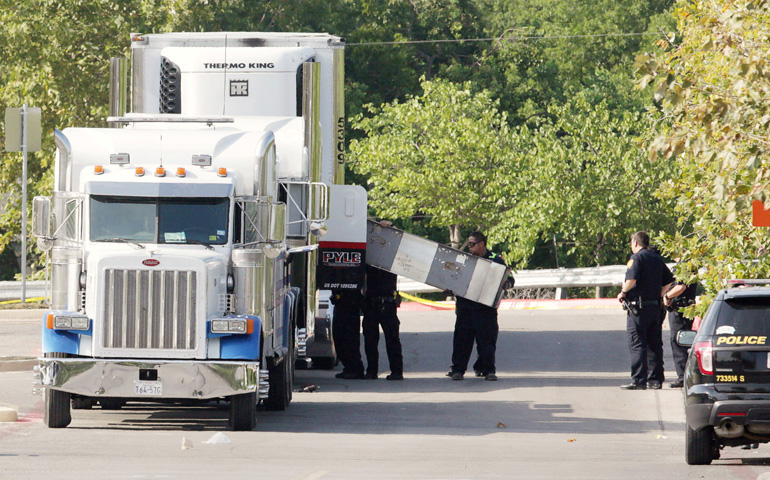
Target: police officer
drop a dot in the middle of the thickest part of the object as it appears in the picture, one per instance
(380, 311)
(680, 295)
(475, 322)
(346, 330)
(647, 280)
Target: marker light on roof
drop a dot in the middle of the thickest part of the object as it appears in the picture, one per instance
(222, 172)
(139, 171)
(160, 172)
(180, 172)
(201, 160)
(120, 159)
(98, 170)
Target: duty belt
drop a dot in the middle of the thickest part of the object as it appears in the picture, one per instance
(647, 303)
(383, 299)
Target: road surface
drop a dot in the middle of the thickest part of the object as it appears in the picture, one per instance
(555, 413)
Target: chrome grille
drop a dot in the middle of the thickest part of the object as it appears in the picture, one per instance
(152, 309)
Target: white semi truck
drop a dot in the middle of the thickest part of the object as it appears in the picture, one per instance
(193, 245)
(189, 241)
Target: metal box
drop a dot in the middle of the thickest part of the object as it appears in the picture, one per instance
(446, 268)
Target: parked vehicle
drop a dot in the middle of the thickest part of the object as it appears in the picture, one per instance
(727, 377)
(193, 245)
(184, 242)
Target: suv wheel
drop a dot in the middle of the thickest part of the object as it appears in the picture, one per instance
(699, 446)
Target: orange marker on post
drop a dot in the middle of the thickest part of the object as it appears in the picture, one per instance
(761, 217)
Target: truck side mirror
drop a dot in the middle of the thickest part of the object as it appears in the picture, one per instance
(277, 233)
(41, 228)
(319, 194)
(685, 338)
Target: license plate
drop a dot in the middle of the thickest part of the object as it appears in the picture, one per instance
(148, 389)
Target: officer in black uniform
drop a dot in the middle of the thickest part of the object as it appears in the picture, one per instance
(647, 280)
(380, 311)
(346, 330)
(475, 322)
(680, 295)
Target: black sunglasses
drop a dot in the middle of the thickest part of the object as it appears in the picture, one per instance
(473, 244)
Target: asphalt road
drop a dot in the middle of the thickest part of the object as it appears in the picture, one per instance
(555, 413)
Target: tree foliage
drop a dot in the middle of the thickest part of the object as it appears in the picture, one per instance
(549, 50)
(54, 54)
(713, 84)
(584, 183)
(442, 154)
(580, 175)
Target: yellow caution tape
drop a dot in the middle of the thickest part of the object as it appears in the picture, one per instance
(35, 299)
(427, 302)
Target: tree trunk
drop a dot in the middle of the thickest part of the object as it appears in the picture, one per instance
(455, 236)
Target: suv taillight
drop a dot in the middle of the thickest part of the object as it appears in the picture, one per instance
(704, 352)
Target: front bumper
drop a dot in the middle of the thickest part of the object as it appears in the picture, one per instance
(175, 379)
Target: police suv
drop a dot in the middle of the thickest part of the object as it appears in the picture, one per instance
(727, 378)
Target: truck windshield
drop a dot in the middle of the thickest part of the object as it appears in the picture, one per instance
(159, 220)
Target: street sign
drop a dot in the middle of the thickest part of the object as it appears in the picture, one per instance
(14, 129)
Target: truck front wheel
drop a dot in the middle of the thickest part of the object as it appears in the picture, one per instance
(243, 412)
(57, 403)
(281, 384)
(281, 377)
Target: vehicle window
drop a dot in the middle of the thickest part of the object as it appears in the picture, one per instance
(193, 220)
(159, 220)
(744, 316)
(122, 218)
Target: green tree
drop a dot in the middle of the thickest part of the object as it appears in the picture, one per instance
(584, 183)
(712, 83)
(442, 154)
(54, 54)
(550, 50)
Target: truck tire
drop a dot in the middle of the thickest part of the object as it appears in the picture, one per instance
(243, 412)
(281, 378)
(57, 403)
(281, 383)
(699, 446)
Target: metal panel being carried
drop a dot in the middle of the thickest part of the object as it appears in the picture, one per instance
(466, 275)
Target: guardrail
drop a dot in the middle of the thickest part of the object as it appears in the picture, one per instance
(559, 278)
(11, 290)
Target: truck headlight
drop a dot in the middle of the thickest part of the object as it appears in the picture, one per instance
(68, 322)
(230, 325)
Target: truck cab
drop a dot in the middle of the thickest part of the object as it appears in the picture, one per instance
(183, 241)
